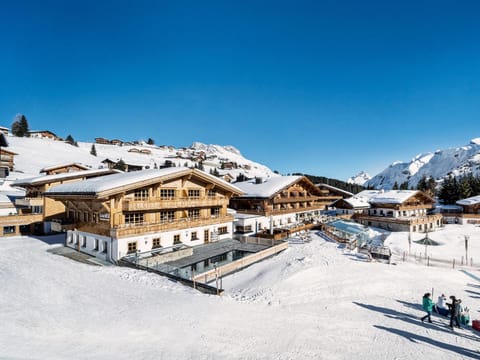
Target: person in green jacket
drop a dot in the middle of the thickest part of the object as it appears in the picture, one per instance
(427, 305)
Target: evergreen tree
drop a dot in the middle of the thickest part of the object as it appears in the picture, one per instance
(93, 151)
(404, 186)
(200, 166)
(150, 141)
(395, 186)
(215, 172)
(70, 140)
(120, 165)
(20, 126)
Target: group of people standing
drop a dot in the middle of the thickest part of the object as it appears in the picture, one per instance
(458, 313)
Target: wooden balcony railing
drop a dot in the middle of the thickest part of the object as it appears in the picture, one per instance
(269, 212)
(126, 230)
(412, 220)
(295, 199)
(178, 203)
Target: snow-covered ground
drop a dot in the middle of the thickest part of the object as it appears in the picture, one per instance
(313, 301)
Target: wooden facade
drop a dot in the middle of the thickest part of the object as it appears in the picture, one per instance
(164, 207)
(409, 214)
(301, 195)
(7, 158)
(35, 203)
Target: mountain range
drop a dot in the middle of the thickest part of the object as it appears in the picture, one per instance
(438, 164)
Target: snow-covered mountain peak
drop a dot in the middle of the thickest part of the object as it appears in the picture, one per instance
(456, 161)
(475, 141)
(361, 178)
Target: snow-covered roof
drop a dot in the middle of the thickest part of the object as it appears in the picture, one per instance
(393, 196)
(469, 201)
(357, 202)
(63, 176)
(335, 189)
(267, 188)
(45, 169)
(386, 197)
(110, 183)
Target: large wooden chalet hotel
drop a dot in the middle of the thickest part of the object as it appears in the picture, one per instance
(121, 214)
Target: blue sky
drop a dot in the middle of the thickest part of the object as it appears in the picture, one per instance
(320, 87)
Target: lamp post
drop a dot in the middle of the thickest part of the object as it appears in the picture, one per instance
(466, 248)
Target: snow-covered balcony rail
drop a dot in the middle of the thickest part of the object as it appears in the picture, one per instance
(29, 201)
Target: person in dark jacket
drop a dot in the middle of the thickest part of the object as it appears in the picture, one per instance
(453, 307)
(427, 305)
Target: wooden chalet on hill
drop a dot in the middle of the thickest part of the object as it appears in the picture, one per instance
(43, 134)
(280, 204)
(145, 210)
(7, 158)
(398, 210)
(64, 168)
(35, 214)
(471, 210)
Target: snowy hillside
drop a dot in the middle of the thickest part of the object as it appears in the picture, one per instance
(361, 178)
(35, 154)
(454, 161)
(313, 301)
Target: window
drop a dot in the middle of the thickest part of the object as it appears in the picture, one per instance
(70, 238)
(195, 194)
(8, 229)
(105, 247)
(156, 243)
(205, 236)
(95, 246)
(85, 216)
(167, 193)
(194, 213)
(84, 241)
(71, 215)
(222, 230)
(215, 212)
(76, 238)
(194, 235)
(176, 239)
(141, 194)
(212, 193)
(134, 218)
(167, 216)
(132, 247)
(95, 217)
(243, 229)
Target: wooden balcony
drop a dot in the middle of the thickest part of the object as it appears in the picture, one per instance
(177, 203)
(297, 199)
(407, 220)
(269, 212)
(29, 201)
(126, 230)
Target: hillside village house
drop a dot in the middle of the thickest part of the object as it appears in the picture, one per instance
(350, 206)
(281, 204)
(398, 210)
(471, 210)
(43, 134)
(64, 168)
(7, 158)
(146, 210)
(43, 211)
